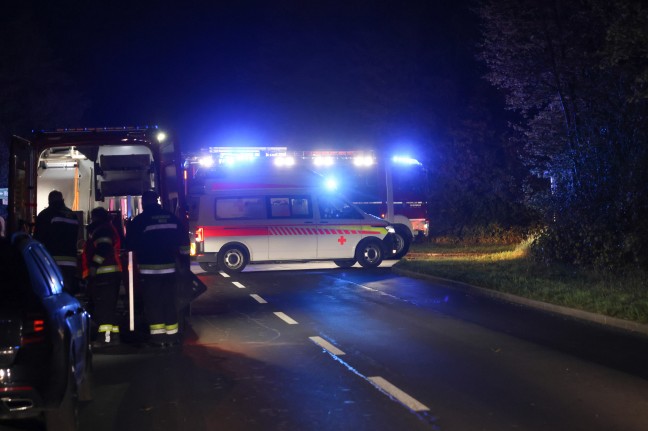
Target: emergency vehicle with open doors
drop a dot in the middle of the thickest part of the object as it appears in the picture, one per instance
(107, 167)
(100, 167)
(270, 217)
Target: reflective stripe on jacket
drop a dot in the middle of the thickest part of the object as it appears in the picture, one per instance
(159, 240)
(101, 251)
(57, 227)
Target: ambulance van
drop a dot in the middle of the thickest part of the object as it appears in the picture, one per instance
(236, 224)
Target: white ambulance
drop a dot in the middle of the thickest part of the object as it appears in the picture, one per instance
(236, 224)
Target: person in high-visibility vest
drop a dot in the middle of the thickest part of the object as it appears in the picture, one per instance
(160, 243)
(102, 268)
(57, 227)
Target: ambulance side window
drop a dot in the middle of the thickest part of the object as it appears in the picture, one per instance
(290, 207)
(300, 207)
(336, 208)
(240, 208)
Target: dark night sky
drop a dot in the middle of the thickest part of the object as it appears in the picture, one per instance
(295, 73)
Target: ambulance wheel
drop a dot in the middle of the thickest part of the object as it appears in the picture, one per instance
(369, 253)
(232, 259)
(209, 266)
(345, 263)
(402, 241)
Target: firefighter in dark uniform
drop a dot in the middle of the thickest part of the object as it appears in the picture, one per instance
(102, 268)
(160, 243)
(57, 227)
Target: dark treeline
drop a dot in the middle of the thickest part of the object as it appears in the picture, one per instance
(576, 74)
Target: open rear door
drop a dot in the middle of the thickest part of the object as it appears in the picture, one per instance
(171, 178)
(22, 186)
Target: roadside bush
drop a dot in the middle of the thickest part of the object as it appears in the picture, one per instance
(602, 247)
(493, 233)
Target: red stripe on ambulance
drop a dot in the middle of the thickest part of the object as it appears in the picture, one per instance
(227, 231)
(210, 231)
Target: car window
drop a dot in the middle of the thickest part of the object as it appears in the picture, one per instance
(252, 207)
(300, 207)
(332, 207)
(49, 271)
(290, 207)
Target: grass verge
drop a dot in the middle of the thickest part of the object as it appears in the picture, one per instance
(508, 268)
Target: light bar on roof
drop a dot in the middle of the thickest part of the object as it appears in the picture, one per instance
(255, 151)
(323, 161)
(405, 160)
(363, 160)
(284, 161)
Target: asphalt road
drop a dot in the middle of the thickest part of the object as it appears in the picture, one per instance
(316, 347)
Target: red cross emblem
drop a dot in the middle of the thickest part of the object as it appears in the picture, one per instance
(342, 240)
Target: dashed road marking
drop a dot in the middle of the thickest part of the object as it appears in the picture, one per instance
(258, 298)
(237, 284)
(224, 274)
(326, 346)
(285, 318)
(399, 395)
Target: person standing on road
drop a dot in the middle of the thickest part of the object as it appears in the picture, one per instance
(102, 268)
(161, 247)
(57, 227)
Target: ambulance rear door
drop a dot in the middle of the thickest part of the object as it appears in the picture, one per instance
(171, 187)
(22, 185)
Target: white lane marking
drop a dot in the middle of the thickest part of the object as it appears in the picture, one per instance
(224, 274)
(237, 284)
(399, 395)
(285, 318)
(258, 298)
(373, 383)
(326, 346)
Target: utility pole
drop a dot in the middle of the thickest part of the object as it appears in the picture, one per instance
(389, 187)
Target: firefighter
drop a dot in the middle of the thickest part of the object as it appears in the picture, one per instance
(102, 268)
(57, 227)
(161, 247)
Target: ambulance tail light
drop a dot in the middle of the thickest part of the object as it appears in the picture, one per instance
(197, 244)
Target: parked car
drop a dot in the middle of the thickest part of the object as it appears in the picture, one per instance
(45, 353)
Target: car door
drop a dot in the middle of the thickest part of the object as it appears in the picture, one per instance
(65, 311)
(340, 228)
(292, 231)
